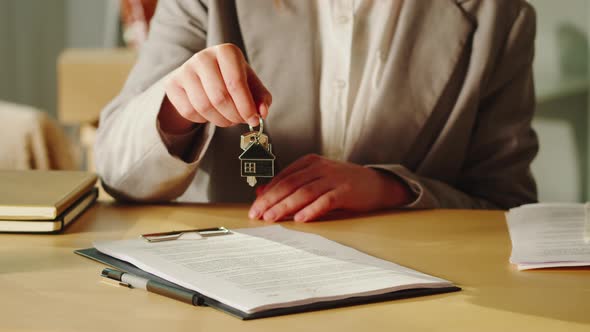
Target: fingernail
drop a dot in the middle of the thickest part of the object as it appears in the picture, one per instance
(264, 109)
(270, 216)
(253, 214)
(253, 121)
(299, 217)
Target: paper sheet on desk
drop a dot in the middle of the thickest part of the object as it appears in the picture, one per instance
(549, 235)
(268, 267)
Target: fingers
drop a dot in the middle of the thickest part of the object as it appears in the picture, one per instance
(299, 189)
(325, 203)
(179, 99)
(298, 165)
(287, 186)
(233, 69)
(313, 186)
(209, 74)
(262, 97)
(301, 198)
(218, 85)
(260, 190)
(201, 106)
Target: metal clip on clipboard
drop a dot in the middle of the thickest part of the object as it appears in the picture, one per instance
(175, 235)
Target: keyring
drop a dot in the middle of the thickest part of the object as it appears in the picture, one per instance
(261, 124)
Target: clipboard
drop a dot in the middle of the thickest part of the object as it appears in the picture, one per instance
(205, 301)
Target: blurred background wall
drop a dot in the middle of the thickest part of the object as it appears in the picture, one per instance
(34, 32)
(561, 80)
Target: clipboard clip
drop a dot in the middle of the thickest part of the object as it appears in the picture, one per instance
(175, 235)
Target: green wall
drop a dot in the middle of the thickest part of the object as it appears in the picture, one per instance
(32, 35)
(561, 79)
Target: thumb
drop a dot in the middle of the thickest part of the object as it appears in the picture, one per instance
(260, 94)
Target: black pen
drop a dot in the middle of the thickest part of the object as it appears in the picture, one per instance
(132, 281)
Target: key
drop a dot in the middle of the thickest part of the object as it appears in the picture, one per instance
(251, 180)
(257, 160)
(249, 137)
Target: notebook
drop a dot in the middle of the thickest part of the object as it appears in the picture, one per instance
(54, 225)
(41, 195)
(43, 201)
(267, 271)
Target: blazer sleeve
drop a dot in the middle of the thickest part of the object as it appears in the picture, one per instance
(496, 173)
(131, 155)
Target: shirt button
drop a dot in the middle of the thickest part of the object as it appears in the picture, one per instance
(340, 84)
(343, 19)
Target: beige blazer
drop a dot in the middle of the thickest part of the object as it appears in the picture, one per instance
(451, 111)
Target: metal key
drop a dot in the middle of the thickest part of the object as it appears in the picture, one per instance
(257, 159)
(249, 138)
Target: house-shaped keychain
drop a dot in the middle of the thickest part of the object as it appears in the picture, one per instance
(257, 161)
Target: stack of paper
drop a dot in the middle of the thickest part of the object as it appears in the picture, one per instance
(263, 269)
(549, 235)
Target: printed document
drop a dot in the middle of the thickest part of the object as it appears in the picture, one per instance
(262, 268)
(549, 235)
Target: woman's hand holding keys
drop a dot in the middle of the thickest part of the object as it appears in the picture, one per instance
(215, 85)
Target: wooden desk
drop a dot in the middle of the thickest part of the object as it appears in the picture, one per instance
(45, 287)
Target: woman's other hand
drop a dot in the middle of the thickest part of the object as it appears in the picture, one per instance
(314, 185)
(215, 85)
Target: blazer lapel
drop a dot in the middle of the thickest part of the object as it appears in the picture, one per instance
(280, 38)
(428, 43)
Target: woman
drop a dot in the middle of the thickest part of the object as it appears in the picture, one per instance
(416, 104)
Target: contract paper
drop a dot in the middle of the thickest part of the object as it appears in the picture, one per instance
(256, 269)
(549, 235)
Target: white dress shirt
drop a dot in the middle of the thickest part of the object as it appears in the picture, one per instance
(355, 37)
